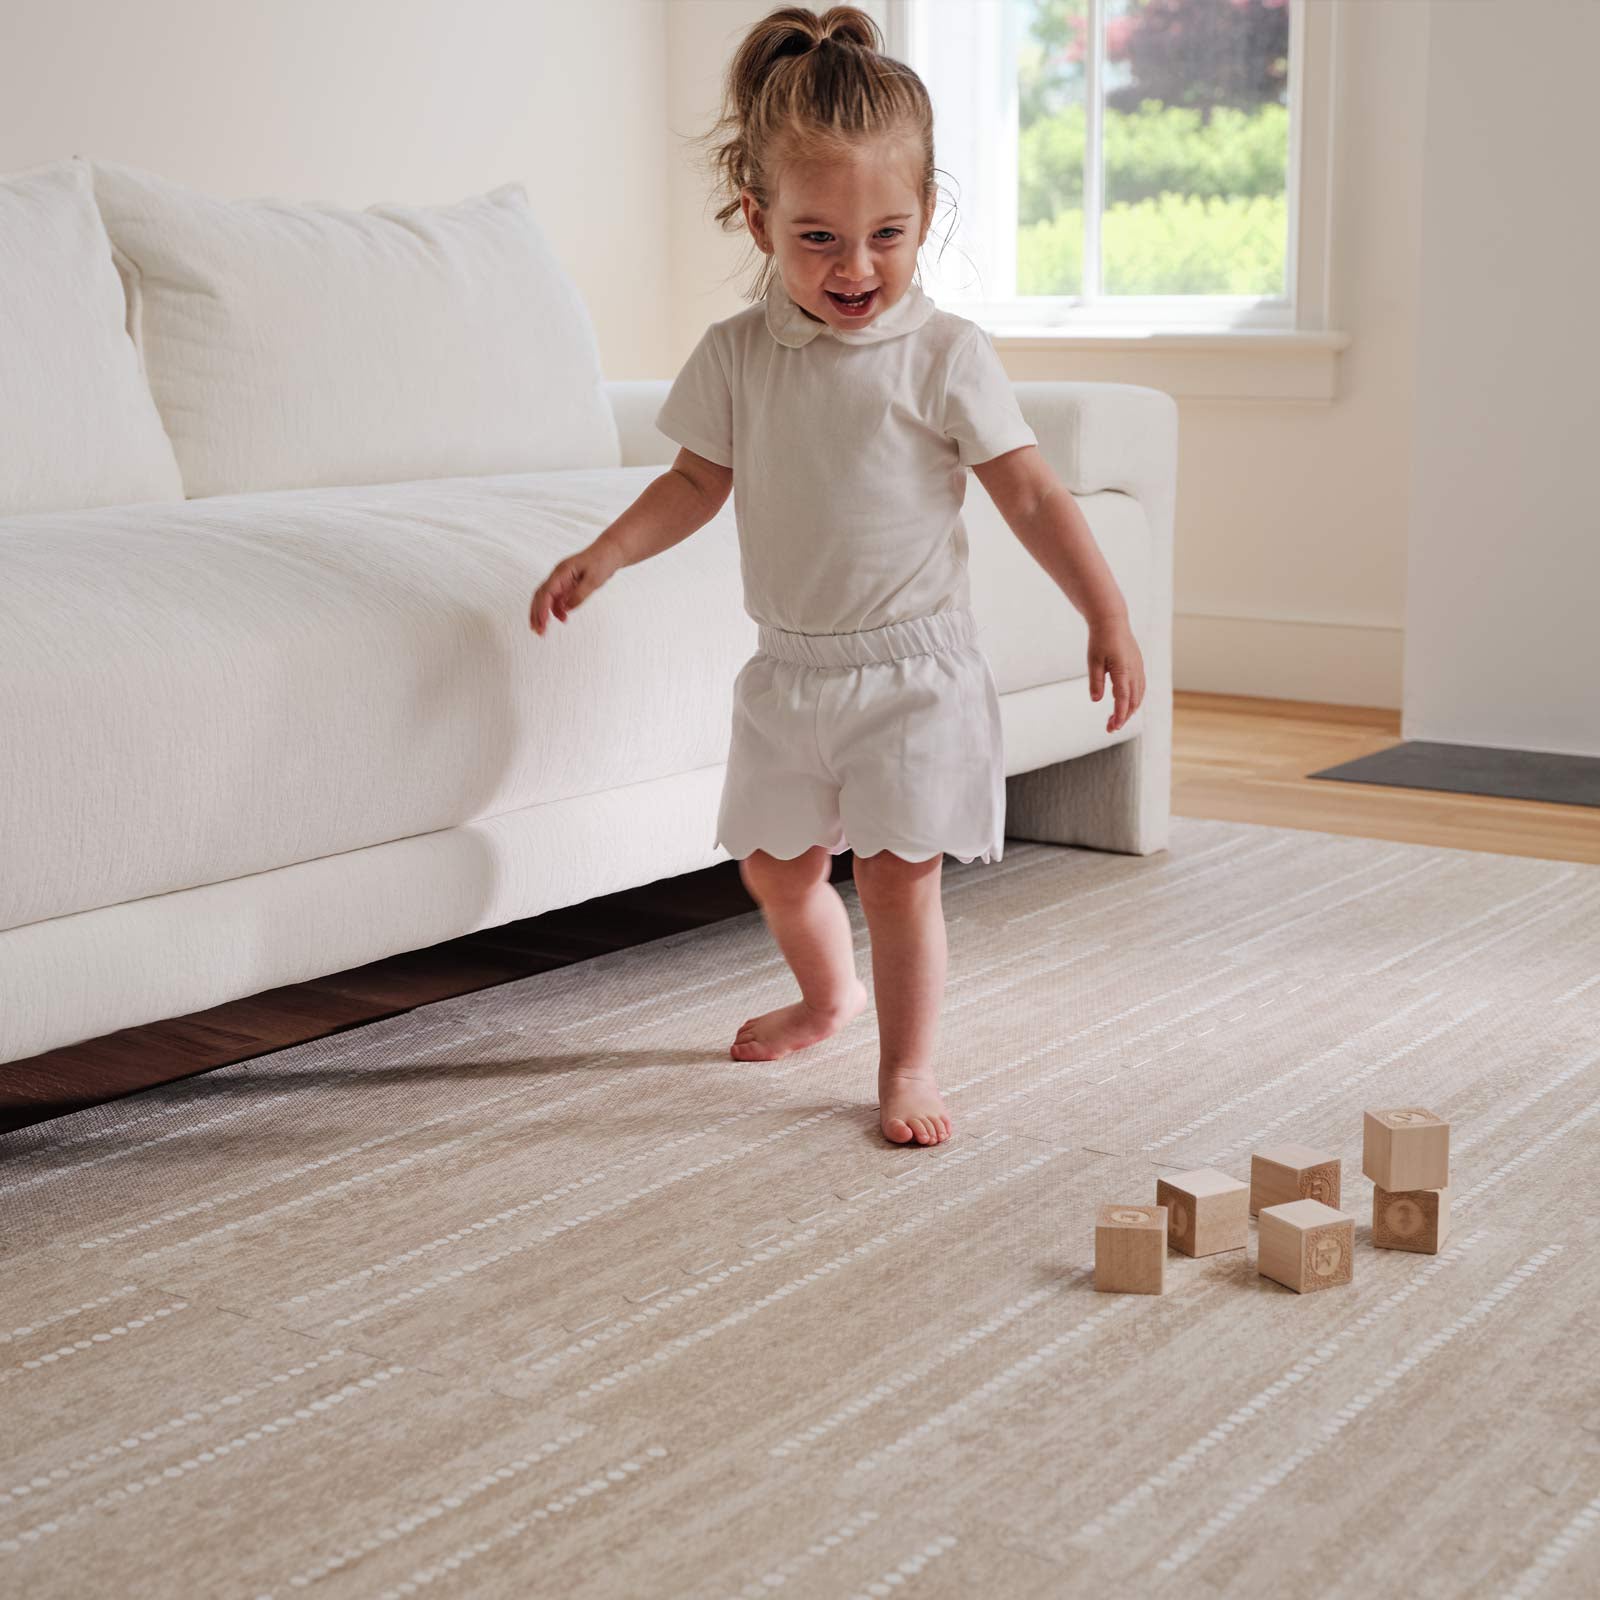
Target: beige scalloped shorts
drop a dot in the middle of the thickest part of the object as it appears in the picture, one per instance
(886, 739)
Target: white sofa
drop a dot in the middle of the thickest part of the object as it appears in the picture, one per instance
(258, 734)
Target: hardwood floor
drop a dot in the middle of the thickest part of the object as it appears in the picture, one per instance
(1234, 759)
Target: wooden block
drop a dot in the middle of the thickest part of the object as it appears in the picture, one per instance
(1410, 1219)
(1306, 1245)
(1288, 1172)
(1130, 1249)
(1405, 1149)
(1207, 1211)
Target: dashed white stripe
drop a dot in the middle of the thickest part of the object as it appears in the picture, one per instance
(1325, 910)
(491, 1128)
(1120, 1044)
(766, 1250)
(1533, 1151)
(860, 1404)
(1456, 929)
(1182, 874)
(1219, 929)
(783, 1571)
(1574, 992)
(1078, 1064)
(466, 1554)
(443, 1280)
(886, 1582)
(1003, 1379)
(1333, 1426)
(474, 1109)
(78, 1346)
(1508, 932)
(203, 1458)
(16, 1184)
(1531, 1580)
(647, 1154)
(1350, 1079)
(40, 1323)
(193, 1417)
(1482, 1129)
(848, 1258)
(1273, 1084)
(1264, 1399)
(424, 1515)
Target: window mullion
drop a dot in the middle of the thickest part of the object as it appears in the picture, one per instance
(1093, 166)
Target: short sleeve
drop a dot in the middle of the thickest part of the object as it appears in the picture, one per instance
(981, 413)
(698, 410)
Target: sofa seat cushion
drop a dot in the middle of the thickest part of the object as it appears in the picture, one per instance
(196, 691)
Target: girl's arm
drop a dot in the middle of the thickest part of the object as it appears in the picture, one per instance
(672, 506)
(1040, 510)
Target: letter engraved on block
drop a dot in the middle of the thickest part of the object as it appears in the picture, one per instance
(1404, 1218)
(1325, 1254)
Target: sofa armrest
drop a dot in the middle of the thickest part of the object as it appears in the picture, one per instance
(1124, 438)
(1120, 436)
(634, 403)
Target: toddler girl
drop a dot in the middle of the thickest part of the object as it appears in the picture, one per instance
(842, 409)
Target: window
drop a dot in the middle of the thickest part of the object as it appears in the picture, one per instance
(1125, 165)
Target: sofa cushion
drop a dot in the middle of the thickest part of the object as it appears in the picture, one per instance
(300, 346)
(77, 424)
(194, 692)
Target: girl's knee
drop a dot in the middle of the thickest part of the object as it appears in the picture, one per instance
(886, 873)
(769, 877)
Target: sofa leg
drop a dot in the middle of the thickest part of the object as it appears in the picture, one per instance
(1115, 799)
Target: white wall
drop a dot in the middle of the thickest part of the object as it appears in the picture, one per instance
(1502, 643)
(351, 102)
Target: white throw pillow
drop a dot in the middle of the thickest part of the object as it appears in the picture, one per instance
(77, 425)
(300, 346)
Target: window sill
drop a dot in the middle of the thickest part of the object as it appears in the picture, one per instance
(1200, 363)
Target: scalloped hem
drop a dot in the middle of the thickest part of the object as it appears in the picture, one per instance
(986, 855)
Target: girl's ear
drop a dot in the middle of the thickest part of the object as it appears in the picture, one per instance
(754, 219)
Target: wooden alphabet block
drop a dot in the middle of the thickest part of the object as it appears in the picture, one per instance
(1207, 1211)
(1288, 1172)
(1405, 1149)
(1306, 1245)
(1130, 1249)
(1412, 1219)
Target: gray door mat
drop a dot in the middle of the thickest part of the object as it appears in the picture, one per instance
(1561, 780)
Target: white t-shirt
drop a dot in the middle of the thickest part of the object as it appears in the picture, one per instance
(849, 452)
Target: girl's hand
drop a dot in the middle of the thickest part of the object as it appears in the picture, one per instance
(1113, 649)
(570, 583)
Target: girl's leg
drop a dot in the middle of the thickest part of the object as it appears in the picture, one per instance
(812, 927)
(905, 917)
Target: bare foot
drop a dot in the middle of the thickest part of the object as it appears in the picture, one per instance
(776, 1033)
(910, 1108)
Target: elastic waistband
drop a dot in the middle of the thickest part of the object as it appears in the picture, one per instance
(917, 636)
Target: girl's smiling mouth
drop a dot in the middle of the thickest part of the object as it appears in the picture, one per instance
(853, 305)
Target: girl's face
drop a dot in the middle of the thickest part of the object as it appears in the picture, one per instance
(845, 233)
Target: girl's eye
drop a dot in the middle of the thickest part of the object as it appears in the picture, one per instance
(895, 232)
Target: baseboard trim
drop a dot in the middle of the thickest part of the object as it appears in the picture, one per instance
(1337, 663)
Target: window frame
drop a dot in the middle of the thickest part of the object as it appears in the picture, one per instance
(1298, 321)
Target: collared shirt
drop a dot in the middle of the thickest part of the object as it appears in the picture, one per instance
(849, 450)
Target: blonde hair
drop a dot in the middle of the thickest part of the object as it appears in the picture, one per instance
(804, 87)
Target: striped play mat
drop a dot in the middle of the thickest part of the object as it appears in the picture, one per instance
(537, 1293)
